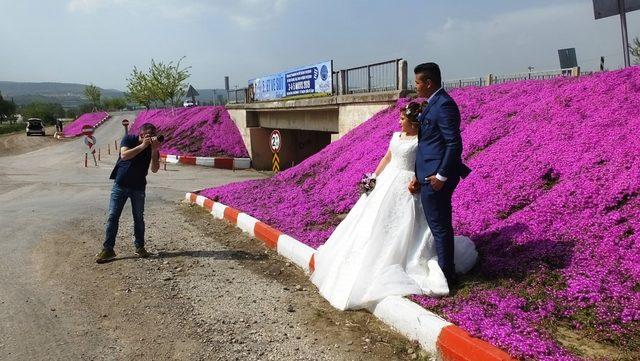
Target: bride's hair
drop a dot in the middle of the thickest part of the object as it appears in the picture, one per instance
(412, 111)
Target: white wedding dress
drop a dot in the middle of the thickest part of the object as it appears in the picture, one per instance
(384, 246)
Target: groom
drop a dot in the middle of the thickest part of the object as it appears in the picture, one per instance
(439, 164)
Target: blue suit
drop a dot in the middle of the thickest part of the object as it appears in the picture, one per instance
(440, 152)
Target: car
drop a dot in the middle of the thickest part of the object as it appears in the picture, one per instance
(35, 126)
(189, 103)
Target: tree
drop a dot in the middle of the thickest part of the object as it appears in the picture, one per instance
(7, 108)
(93, 93)
(85, 108)
(115, 104)
(140, 88)
(71, 113)
(169, 81)
(635, 50)
(48, 112)
(164, 83)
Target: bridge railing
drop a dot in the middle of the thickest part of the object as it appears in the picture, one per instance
(460, 83)
(490, 79)
(392, 76)
(538, 75)
(388, 75)
(237, 96)
(377, 77)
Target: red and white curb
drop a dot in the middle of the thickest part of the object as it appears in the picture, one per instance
(215, 162)
(435, 334)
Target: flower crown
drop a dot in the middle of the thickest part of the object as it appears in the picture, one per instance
(408, 112)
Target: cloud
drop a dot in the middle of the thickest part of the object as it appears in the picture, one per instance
(512, 41)
(85, 6)
(244, 13)
(249, 13)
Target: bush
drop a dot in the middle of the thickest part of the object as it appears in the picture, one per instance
(11, 128)
(47, 112)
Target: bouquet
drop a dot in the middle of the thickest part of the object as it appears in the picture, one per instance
(367, 183)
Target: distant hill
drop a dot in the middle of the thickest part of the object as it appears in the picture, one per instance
(68, 94)
(71, 95)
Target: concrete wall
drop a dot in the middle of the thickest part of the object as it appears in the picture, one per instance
(260, 150)
(352, 115)
(323, 119)
(239, 117)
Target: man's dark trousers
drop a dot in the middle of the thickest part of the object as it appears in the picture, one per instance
(438, 210)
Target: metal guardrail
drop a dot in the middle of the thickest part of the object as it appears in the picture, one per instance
(506, 78)
(539, 75)
(391, 75)
(460, 83)
(377, 77)
(237, 95)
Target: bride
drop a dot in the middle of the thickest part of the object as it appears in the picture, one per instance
(384, 246)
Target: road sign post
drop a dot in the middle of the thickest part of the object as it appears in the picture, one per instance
(87, 130)
(625, 36)
(275, 144)
(605, 8)
(89, 141)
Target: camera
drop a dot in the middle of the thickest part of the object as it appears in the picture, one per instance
(159, 138)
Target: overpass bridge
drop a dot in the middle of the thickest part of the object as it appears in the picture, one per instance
(308, 125)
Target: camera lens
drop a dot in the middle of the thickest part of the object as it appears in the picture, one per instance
(160, 138)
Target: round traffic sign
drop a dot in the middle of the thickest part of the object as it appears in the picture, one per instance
(89, 141)
(276, 141)
(87, 129)
(125, 122)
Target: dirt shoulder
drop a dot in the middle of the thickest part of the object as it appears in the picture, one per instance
(19, 142)
(210, 292)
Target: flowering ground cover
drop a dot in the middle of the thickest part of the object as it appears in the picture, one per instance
(199, 131)
(552, 204)
(74, 128)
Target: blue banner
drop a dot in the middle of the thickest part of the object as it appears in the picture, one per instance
(315, 80)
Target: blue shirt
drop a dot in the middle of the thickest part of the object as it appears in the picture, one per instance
(132, 173)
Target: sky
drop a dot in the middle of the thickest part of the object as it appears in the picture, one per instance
(100, 41)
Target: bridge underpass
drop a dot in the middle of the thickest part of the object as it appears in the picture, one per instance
(306, 125)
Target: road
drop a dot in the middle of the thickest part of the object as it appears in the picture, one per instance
(209, 291)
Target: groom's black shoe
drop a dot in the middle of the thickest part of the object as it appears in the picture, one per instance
(452, 282)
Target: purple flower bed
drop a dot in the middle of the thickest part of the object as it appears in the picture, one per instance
(552, 204)
(74, 128)
(197, 131)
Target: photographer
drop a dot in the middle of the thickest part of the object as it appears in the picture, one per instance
(129, 173)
